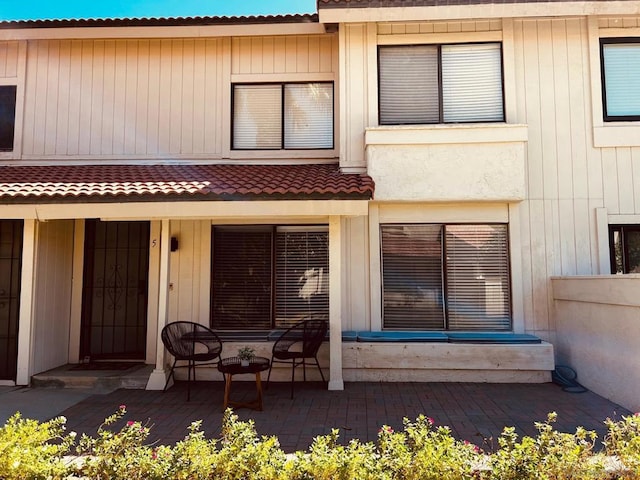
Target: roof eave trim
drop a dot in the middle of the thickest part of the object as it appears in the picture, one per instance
(189, 31)
(216, 210)
(358, 14)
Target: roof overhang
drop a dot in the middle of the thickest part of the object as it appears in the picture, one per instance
(205, 31)
(300, 211)
(354, 11)
(181, 191)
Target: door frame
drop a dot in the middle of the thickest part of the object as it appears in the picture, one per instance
(152, 290)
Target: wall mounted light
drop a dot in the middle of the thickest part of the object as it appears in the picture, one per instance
(174, 244)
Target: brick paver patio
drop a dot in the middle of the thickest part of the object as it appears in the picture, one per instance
(475, 412)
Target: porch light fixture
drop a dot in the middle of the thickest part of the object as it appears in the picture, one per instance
(174, 244)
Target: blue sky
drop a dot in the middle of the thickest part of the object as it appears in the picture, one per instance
(67, 9)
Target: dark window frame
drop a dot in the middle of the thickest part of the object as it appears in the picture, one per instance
(283, 113)
(8, 123)
(440, 99)
(622, 230)
(613, 41)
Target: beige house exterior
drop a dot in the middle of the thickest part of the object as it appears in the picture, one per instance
(108, 95)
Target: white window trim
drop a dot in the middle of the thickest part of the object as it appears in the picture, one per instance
(609, 134)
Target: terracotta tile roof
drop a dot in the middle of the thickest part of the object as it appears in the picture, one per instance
(103, 183)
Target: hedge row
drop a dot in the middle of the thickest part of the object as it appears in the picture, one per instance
(44, 450)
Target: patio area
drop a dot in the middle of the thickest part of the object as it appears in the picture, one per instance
(475, 412)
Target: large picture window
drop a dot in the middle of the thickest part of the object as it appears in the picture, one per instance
(423, 84)
(445, 277)
(268, 277)
(287, 116)
(7, 117)
(620, 59)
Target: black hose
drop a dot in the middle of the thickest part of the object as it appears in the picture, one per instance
(567, 378)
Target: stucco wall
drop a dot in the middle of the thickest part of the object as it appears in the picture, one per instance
(598, 334)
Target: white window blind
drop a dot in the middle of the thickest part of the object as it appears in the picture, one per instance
(422, 84)
(257, 122)
(472, 83)
(308, 118)
(408, 84)
(621, 79)
(302, 275)
(412, 277)
(478, 296)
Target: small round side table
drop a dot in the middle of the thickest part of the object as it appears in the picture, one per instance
(231, 366)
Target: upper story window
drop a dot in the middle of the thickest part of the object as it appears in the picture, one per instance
(7, 117)
(289, 116)
(624, 243)
(620, 58)
(422, 84)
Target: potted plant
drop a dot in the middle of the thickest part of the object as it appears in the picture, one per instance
(245, 354)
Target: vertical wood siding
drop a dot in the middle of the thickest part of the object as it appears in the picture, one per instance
(146, 98)
(53, 291)
(567, 177)
(8, 59)
(123, 98)
(190, 271)
(292, 54)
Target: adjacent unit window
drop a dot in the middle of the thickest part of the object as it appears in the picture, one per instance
(422, 84)
(268, 277)
(620, 59)
(624, 243)
(7, 117)
(286, 116)
(445, 277)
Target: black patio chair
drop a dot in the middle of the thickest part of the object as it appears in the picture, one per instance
(299, 344)
(190, 342)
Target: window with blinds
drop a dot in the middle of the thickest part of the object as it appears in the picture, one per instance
(302, 275)
(241, 279)
(7, 117)
(268, 277)
(290, 116)
(445, 277)
(425, 84)
(620, 58)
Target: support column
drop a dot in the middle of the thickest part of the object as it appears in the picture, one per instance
(335, 304)
(75, 323)
(27, 296)
(158, 377)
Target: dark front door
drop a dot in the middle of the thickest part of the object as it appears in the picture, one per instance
(114, 294)
(10, 269)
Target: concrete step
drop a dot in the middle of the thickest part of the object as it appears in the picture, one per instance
(100, 381)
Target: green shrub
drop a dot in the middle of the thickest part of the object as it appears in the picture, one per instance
(550, 455)
(33, 450)
(623, 441)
